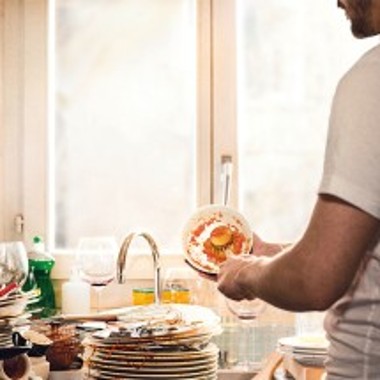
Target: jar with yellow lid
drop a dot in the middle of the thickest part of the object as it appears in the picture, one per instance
(145, 296)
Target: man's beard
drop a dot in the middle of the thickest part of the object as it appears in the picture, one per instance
(360, 14)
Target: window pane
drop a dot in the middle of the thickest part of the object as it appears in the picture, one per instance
(291, 55)
(125, 118)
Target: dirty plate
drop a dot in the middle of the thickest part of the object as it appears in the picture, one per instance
(212, 234)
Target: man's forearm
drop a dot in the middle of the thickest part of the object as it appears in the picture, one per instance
(281, 280)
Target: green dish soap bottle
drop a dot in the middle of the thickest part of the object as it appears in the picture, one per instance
(40, 265)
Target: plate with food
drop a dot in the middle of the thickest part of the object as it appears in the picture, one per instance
(212, 234)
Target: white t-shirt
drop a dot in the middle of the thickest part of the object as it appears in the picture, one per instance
(352, 173)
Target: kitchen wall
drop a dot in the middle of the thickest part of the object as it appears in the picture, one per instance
(23, 81)
(11, 113)
(2, 147)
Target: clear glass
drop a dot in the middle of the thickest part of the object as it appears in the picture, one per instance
(13, 263)
(124, 157)
(247, 311)
(291, 55)
(182, 285)
(310, 323)
(96, 262)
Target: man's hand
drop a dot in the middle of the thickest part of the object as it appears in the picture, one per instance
(231, 281)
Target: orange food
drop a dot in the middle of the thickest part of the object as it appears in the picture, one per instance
(213, 254)
(237, 242)
(223, 240)
(221, 236)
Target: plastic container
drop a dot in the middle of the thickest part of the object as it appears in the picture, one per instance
(40, 265)
(76, 295)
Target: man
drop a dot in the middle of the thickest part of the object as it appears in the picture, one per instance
(336, 264)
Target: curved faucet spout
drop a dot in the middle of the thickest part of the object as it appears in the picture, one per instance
(156, 261)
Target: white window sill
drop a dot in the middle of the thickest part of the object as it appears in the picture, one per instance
(138, 270)
(137, 266)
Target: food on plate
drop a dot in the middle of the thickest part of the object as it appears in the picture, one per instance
(221, 236)
(223, 240)
(213, 234)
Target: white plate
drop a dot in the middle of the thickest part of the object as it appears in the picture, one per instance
(304, 343)
(13, 310)
(155, 362)
(147, 368)
(109, 374)
(183, 314)
(198, 229)
(116, 353)
(310, 360)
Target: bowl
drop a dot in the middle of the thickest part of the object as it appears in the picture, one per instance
(39, 343)
(212, 234)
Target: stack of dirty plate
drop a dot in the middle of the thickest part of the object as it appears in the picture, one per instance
(155, 342)
(12, 306)
(310, 350)
(5, 334)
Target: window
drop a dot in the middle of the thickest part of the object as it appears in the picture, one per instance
(130, 126)
(125, 119)
(147, 97)
(291, 55)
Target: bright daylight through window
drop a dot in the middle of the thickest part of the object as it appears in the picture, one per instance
(291, 56)
(125, 135)
(124, 118)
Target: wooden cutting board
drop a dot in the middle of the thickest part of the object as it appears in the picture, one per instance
(270, 366)
(300, 372)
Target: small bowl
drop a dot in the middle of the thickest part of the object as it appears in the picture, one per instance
(36, 349)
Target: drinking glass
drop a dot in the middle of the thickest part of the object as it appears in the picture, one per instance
(13, 263)
(247, 311)
(96, 262)
(181, 285)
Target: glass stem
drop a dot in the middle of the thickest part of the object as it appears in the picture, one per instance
(98, 290)
(246, 348)
(247, 361)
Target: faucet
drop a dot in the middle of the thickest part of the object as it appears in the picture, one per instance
(156, 261)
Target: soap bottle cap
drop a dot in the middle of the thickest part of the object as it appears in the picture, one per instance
(38, 252)
(74, 274)
(37, 239)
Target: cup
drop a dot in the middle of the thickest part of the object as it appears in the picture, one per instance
(17, 367)
(181, 285)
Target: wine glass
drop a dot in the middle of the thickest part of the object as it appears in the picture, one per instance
(247, 311)
(13, 263)
(96, 262)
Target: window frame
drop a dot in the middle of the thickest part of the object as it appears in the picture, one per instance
(32, 73)
(11, 118)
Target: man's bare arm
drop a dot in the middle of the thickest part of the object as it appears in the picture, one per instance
(313, 273)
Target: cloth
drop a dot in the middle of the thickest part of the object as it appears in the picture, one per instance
(352, 173)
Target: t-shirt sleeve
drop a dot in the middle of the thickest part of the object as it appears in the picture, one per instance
(352, 159)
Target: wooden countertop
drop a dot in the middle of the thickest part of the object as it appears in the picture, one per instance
(301, 372)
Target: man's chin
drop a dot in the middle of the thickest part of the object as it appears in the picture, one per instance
(361, 33)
